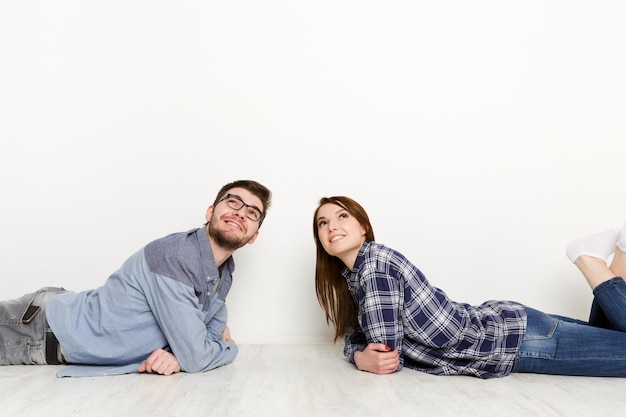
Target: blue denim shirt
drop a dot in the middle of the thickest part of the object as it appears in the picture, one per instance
(162, 297)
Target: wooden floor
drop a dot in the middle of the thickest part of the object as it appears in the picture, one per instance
(304, 380)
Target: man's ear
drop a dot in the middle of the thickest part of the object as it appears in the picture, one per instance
(209, 213)
(253, 238)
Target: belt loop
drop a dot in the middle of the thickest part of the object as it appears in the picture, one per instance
(52, 349)
(53, 354)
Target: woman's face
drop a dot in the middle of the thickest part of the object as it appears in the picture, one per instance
(340, 233)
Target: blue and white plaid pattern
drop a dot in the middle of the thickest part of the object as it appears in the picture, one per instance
(397, 306)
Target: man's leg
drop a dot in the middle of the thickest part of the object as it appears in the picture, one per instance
(23, 329)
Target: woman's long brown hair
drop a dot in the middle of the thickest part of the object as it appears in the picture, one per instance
(330, 286)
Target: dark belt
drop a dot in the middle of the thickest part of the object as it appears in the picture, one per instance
(52, 349)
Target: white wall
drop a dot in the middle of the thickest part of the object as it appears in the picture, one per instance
(481, 136)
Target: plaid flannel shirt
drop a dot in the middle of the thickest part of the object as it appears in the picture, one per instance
(397, 306)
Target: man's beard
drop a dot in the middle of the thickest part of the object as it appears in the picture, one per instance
(222, 239)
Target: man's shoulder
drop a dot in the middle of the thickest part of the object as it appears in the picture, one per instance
(176, 255)
(173, 244)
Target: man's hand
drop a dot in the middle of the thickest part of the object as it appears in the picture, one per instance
(160, 362)
(377, 358)
(226, 335)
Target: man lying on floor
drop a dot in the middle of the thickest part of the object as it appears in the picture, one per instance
(162, 312)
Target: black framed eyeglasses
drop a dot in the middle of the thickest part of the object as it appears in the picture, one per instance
(236, 203)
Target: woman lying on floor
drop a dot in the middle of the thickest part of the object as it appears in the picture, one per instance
(391, 316)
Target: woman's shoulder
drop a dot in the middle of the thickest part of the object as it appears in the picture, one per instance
(381, 249)
(381, 256)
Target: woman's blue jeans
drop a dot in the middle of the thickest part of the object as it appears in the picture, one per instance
(564, 346)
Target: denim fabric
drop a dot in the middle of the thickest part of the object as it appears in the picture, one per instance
(563, 346)
(609, 305)
(24, 344)
(163, 296)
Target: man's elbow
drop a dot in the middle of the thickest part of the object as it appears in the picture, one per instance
(212, 361)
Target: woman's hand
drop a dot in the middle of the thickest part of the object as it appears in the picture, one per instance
(377, 358)
(160, 362)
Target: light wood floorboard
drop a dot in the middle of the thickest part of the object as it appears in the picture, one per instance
(304, 380)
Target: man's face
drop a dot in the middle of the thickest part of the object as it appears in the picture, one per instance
(231, 228)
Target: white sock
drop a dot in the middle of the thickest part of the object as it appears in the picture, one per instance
(621, 239)
(601, 245)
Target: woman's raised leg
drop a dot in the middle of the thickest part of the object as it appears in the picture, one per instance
(618, 265)
(590, 255)
(607, 282)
